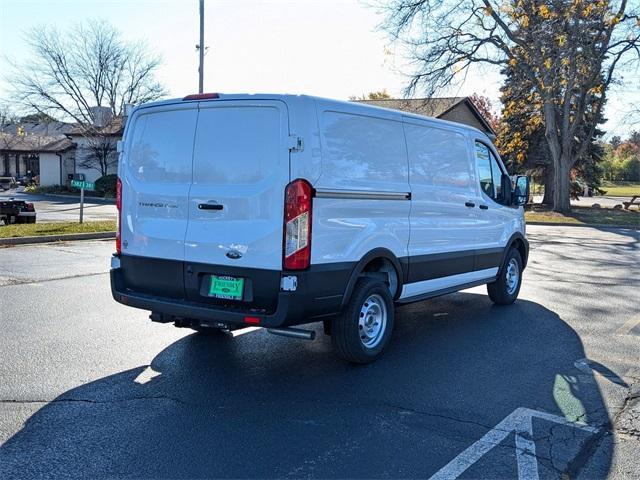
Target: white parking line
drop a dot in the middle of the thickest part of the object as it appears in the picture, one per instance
(519, 421)
(629, 325)
(242, 331)
(146, 376)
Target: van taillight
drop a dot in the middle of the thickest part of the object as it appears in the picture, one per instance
(297, 225)
(119, 207)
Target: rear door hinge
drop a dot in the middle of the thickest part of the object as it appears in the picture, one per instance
(296, 144)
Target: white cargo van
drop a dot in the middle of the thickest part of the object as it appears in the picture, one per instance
(281, 210)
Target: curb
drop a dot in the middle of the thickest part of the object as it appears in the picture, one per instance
(57, 238)
(594, 225)
(75, 197)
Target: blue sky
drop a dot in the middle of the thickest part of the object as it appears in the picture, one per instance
(330, 48)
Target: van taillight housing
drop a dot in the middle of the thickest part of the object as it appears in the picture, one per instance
(297, 225)
(119, 207)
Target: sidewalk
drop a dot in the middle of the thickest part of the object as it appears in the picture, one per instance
(603, 201)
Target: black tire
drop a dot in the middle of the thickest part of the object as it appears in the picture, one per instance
(347, 337)
(501, 292)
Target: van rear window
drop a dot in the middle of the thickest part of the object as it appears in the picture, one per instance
(237, 145)
(162, 146)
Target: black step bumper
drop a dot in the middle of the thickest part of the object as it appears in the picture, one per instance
(192, 310)
(319, 294)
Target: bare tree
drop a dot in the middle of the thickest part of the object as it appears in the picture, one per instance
(99, 154)
(569, 50)
(7, 115)
(90, 65)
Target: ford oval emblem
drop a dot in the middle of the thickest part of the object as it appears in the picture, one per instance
(234, 254)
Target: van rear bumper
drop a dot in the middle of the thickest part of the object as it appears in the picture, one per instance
(192, 310)
(319, 294)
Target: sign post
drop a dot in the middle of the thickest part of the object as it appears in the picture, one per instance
(81, 201)
(82, 184)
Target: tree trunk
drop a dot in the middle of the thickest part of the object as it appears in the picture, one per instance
(562, 185)
(549, 181)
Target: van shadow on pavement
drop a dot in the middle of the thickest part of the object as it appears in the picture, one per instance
(264, 406)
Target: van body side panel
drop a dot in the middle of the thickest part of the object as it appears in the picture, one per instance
(442, 178)
(362, 196)
(155, 170)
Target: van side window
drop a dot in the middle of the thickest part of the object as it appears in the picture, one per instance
(489, 171)
(363, 152)
(439, 158)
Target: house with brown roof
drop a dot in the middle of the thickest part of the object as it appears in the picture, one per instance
(34, 157)
(454, 109)
(47, 153)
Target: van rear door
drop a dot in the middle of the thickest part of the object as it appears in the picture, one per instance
(236, 202)
(155, 170)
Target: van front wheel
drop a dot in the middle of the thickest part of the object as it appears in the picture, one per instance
(364, 328)
(505, 289)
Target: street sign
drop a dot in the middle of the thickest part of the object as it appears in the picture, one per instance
(83, 184)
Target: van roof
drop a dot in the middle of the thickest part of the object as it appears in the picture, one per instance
(292, 98)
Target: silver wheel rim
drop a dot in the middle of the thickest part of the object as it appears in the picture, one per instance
(512, 278)
(372, 321)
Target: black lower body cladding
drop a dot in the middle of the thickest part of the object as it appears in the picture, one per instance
(180, 289)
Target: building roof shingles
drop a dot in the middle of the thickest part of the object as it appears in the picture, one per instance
(34, 143)
(431, 107)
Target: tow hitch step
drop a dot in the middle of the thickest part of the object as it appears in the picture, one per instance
(293, 333)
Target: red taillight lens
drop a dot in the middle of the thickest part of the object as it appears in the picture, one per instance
(30, 207)
(252, 320)
(297, 225)
(119, 207)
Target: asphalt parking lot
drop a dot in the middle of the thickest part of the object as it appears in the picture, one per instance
(61, 209)
(546, 388)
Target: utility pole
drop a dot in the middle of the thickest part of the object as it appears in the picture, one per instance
(201, 48)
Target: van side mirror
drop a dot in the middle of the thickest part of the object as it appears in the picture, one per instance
(520, 194)
(505, 190)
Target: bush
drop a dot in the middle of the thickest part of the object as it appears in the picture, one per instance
(47, 189)
(106, 185)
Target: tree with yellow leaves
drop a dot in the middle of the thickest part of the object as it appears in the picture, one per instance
(569, 50)
(521, 137)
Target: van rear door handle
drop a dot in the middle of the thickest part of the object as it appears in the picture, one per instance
(210, 206)
(469, 204)
(484, 207)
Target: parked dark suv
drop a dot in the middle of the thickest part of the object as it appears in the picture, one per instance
(16, 211)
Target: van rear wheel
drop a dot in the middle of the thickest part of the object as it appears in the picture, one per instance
(505, 289)
(364, 328)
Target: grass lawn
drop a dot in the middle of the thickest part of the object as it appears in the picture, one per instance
(621, 189)
(586, 216)
(37, 229)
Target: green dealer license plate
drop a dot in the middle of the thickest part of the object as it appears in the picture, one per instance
(229, 288)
